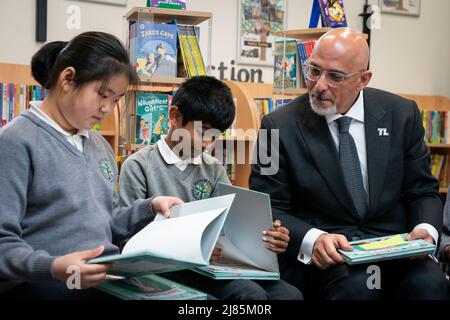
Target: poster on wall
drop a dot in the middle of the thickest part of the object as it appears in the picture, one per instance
(259, 22)
(405, 7)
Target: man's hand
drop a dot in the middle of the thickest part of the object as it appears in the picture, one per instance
(90, 274)
(325, 254)
(420, 234)
(162, 204)
(276, 238)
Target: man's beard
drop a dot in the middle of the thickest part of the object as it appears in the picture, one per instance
(319, 109)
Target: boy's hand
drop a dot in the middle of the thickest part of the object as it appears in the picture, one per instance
(276, 238)
(162, 204)
(216, 255)
(90, 274)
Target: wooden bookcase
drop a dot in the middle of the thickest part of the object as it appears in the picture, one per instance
(21, 74)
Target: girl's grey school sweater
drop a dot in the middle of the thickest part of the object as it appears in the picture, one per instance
(55, 200)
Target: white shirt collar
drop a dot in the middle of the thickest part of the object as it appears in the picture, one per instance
(35, 109)
(356, 111)
(171, 158)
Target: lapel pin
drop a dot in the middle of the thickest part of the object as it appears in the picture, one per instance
(382, 132)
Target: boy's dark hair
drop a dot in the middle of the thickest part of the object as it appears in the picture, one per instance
(205, 99)
(95, 56)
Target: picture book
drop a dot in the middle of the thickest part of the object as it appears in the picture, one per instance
(152, 117)
(244, 255)
(286, 63)
(150, 287)
(333, 14)
(385, 248)
(153, 49)
(183, 241)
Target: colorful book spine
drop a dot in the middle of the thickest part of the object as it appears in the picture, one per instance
(168, 4)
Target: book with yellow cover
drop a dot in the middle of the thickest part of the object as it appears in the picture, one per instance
(385, 248)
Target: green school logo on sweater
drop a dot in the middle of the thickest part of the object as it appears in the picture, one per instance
(106, 169)
(202, 189)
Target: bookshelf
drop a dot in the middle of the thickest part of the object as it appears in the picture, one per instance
(21, 74)
(149, 83)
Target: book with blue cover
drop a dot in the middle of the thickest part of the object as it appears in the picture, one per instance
(153, 49)
(150, 287)
(385, 248)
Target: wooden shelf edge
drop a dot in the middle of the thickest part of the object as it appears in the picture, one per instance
(306, 33)
(289, 92)
(165, 15)
(438, 145)
(442, 190)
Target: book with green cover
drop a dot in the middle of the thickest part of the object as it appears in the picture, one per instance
(183, 241)
(385, 248)
(150, 287)
(244, 255)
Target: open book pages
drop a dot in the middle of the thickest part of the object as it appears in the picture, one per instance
(183, 241)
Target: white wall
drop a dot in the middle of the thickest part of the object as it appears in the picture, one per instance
(409, 54)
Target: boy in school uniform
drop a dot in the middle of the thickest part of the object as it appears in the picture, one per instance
(182, 169)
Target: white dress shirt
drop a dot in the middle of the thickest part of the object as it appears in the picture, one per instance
(357, 131)
(74, 139)
(171, 158)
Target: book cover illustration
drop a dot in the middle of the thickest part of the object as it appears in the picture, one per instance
(333, 14)
(385, 248)
(152, 117)
(285, 65)
(153, 49)
(150, 287)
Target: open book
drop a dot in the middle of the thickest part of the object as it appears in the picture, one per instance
(183, 241)
(244, 255)
(385, 248)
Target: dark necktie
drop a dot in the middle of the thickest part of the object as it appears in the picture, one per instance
(351, 167)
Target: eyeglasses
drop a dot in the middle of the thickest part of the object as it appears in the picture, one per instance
(334, 78)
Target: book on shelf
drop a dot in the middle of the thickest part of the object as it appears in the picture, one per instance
(286, 63)
(183, 241)
(305, 49)
(244, 255)
(150, 287)
(152, 116)
(190, 51)
(333, 14)
(15, 98)
(385, 248)
(153, 49)
(167, 4)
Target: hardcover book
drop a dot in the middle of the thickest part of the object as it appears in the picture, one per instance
(152, 117)
(286, 64)
(183, 241)
(150, 287)
(153, 49)
(385, 248)
(333, 14)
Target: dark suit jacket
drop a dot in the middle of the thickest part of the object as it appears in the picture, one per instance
(309, 189)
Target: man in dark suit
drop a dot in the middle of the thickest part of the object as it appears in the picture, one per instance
(352, 164)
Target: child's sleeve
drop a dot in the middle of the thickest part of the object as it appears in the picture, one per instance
(133, 210)
(221, 176)
(18, 260)
(132, 182)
